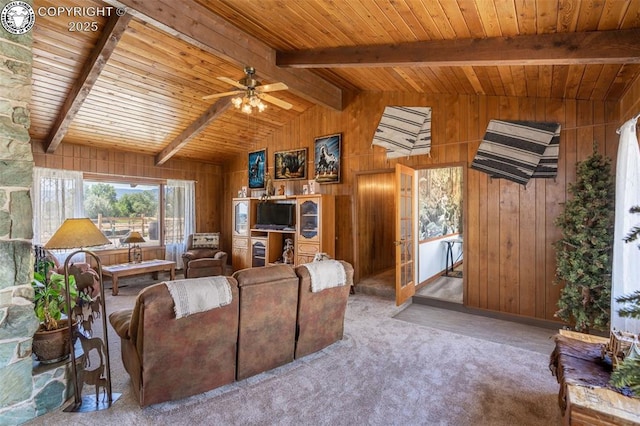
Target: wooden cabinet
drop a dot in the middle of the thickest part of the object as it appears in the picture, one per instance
(315, 227)
(314, 232)
(267, 246)
(243, 217)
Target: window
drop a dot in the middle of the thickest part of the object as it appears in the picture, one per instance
(118, 208)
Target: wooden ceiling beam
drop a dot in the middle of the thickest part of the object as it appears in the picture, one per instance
(596, 47)
(201, 123)
(198, 26)
(111, 35)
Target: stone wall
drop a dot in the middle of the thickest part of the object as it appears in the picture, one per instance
(18, 322)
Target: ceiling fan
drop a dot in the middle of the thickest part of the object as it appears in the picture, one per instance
(251, 92)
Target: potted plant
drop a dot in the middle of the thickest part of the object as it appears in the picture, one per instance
(51, 341)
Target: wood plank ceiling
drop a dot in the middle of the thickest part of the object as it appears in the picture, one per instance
(136, 82)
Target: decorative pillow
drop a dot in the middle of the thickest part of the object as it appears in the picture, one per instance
(206, 240)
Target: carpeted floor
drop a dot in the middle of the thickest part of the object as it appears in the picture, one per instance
(384, 372)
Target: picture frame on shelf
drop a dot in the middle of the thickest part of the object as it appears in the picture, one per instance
(327, 158)
(257, 167)
(290, 164)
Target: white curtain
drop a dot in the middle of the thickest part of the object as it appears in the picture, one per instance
(626, 256)
(56, 196)
(180, 218)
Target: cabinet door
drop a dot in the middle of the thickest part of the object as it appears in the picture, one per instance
(240, 253)
(308, 224)
(306, 252)
(258, 252)
(241, 218)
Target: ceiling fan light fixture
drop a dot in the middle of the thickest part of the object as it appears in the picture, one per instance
(237, 102)
(248, 102)
(246, 108)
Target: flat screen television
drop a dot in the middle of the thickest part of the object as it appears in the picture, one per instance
(275, 215)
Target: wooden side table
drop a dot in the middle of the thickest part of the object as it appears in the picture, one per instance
(114, 272)
(585, 396)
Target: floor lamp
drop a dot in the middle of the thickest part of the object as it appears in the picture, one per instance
(78, 233)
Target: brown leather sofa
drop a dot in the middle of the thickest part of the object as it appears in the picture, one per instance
(267, 331)
(169, 358)
(320, 318)
(204, 261)
(273, 317)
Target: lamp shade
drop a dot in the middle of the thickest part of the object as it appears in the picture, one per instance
(133, 237)
(77, 233)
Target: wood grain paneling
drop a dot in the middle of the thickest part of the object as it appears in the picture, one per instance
(509, 229)
(375, 216)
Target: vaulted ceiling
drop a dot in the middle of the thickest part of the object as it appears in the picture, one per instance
(136, 82)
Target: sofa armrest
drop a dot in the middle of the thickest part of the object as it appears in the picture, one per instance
(222, 256)
(120, 321)
(194, 254)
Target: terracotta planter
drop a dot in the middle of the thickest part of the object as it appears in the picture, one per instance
(52, 346)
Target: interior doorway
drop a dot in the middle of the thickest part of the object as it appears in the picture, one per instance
(375, 224)
(440, 233)
(375, 233)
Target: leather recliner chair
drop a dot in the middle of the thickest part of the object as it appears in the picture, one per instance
(202, 261)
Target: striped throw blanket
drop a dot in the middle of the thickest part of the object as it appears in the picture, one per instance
(519, 150)
(404, 131)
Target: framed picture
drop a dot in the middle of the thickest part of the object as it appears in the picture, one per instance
(327, 158)
(257, 168)
(291, 164)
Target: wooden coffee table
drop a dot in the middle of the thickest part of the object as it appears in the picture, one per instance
(128, 269)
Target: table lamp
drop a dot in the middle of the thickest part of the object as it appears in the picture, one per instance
(78, 233)
(135, 252)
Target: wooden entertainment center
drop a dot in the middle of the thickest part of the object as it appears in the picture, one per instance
(313, 231)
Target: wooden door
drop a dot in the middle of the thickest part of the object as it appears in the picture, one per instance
(405, 234)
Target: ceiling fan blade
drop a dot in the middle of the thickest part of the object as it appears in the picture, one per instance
(272, 87)
(232, 82)
(222, 95)
(277, 102)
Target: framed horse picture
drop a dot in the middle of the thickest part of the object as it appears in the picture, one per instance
(290, 164)
(257, 168)
(327, 158)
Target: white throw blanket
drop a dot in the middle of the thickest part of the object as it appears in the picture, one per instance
(195, 295)
(326, 274)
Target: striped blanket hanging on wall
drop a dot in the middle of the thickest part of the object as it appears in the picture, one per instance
(404, 131)
(519, 150)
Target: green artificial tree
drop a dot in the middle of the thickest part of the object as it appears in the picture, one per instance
(584, 253)
(627, 375)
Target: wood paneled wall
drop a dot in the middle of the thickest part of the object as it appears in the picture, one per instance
(376, 210)
(630, 102)
(509, 230)
(209, 182)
